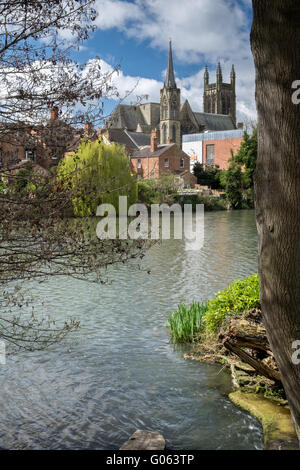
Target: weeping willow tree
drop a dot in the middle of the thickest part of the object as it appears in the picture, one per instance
(97, 173)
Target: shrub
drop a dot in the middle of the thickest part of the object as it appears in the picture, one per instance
(237, 297)
(158, 191)
(211, 203)
(186, 321)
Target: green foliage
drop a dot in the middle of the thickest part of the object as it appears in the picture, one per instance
(3, 186)
(186, 321)
(247, 156)
(208, 175)
(97, 173)
(234, 184)
(238, 179)
(237, 297)
(24, 178)
(211, 203)
(157, 191)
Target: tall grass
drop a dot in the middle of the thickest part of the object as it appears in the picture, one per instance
(186, 321)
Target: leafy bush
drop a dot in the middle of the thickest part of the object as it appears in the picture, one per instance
(237, 297)
(186, 321)
(207, 175)
(211, 203)
(158, 191)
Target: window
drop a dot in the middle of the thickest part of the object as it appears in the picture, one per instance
(166, 163)
(174, 133)
(182, 163)
(30, 155)
(139, 177)
(139, 163)
(210, 154)
(164, 133)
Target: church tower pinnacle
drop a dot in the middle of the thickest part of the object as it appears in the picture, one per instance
(170, 107)
(220, 97)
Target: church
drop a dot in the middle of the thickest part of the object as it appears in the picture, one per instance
(173, 118)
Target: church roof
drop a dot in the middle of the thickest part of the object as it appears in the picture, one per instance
(215, 122)
(126, 116)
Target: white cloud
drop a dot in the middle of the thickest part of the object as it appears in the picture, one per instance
(202, 31)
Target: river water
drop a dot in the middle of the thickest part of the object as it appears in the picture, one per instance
(119, 373)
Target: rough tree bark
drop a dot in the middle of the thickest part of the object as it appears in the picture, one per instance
(275, 42)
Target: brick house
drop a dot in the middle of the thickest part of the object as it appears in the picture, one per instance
(154, 161)
(44, 145)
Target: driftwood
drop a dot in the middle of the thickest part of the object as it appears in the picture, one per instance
(246, 338)
(248, 335)
(259, 366)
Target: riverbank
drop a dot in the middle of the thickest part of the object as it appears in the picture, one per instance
(272, 411)
(275, 418)
(229, 330)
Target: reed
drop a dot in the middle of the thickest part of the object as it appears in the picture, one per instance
(186, 322)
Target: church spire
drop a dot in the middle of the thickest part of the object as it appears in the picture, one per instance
(170, 79)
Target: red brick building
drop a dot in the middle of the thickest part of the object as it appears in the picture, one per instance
(153, 161)
(213, 148)
(44, 145)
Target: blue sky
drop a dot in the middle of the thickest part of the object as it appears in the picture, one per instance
(136, 33)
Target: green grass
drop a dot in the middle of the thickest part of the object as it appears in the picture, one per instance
(186, 321)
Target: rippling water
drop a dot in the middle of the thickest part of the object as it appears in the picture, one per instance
(119, 373)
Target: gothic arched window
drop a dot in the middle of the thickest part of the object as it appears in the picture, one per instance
(174, 109)
(174, 133)
(164, 134)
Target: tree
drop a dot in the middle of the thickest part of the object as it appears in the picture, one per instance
(38, 239)
(232, 180)
(207, 175)
(36, 70)
(99, 173)
(238, 179)
(247, 156)
(275, 42)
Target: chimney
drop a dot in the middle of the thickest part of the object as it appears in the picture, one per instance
(88, 129)
(54, 113)
(154, 141)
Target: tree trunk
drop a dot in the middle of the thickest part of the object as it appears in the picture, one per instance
(275, 42)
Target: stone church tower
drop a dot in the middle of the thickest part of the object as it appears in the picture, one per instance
(220, 97)
(170, 107)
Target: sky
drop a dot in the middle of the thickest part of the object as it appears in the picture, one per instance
(136, 34)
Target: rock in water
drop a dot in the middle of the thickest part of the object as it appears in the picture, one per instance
(145, 440)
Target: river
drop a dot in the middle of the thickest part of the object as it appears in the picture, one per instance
(119, 372)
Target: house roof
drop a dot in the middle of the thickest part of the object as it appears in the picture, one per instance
(120, 136)
(145, 151)
(139, 138)
(131, 140)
